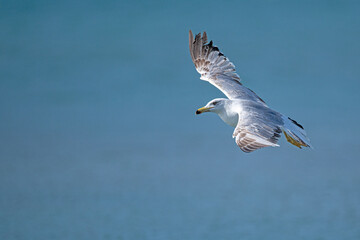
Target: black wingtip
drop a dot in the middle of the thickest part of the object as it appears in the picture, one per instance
(296, 123)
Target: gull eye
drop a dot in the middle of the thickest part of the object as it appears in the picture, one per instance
(215, 103)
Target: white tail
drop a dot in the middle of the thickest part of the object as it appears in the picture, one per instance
(295, 133)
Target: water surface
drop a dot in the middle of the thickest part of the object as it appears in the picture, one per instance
(99, 140)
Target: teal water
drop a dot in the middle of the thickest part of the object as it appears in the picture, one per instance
(99, 140)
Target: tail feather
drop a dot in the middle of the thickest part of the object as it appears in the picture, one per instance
(295, 133)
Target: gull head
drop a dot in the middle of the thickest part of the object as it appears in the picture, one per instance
(215, 105)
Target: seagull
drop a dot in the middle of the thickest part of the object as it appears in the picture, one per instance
(256, 125)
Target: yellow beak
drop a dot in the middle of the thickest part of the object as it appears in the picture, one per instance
(203, 109)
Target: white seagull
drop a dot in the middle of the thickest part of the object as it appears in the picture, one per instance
(256, 125)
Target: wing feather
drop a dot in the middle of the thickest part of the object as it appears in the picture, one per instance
(249, 141)
(215, 68)
(258, 127)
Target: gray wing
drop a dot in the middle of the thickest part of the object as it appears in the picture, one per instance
(258, 127)
(215, 68)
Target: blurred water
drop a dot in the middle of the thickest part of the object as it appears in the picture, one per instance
(98, 137)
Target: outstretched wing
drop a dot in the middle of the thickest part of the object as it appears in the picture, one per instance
(258, 127)
(215, 68)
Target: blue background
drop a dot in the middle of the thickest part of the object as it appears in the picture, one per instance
(99, 140)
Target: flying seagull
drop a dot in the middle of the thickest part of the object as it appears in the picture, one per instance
(256, 125)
